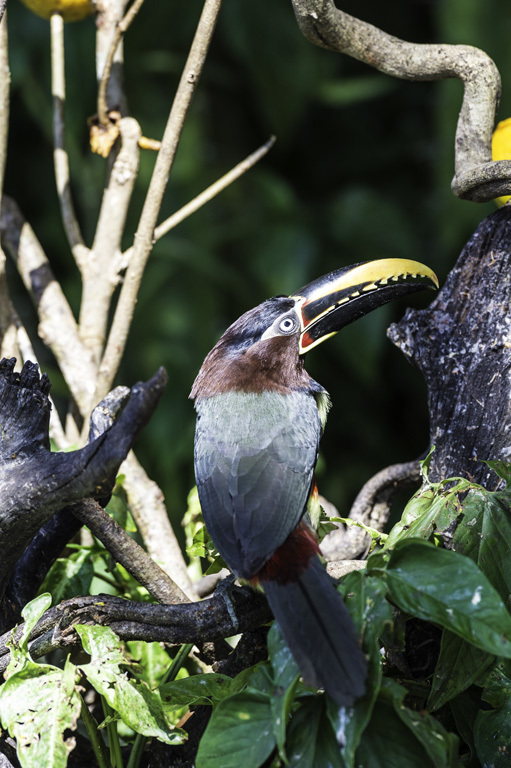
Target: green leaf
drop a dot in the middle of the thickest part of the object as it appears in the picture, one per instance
(69, 576)
(398, 737)
(32, 612)
(389, 743)
(465, 709)
(285, 675)
(196, 689)
(139, 707)
(153, 661)
(431, 510)
(37, 704)
(448, 589)
(484, 535)
(365, 598)
(459, 665)
(492, 736)
(239, 733)
(502, 468)
(311, 741)
(440, 745)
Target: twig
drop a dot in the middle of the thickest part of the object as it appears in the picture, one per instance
(127, 552)
(60, 156)
(209, 193)
(476, 177)
(109, 16)
(212, 191)
(145, 231)
(3, 4)
(120, 29)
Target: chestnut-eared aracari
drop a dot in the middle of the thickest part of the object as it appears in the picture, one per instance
(259, 421)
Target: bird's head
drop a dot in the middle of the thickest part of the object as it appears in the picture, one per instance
(266, 345)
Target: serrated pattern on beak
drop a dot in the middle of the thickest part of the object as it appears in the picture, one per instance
(366, 286)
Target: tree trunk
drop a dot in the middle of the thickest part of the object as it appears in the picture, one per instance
(462, 345)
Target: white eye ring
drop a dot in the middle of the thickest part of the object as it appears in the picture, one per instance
(287, 325)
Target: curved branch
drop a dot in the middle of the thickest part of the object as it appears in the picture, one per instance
(477, 177)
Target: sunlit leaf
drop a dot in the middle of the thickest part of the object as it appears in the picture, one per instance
(239, 733)
(447, 588)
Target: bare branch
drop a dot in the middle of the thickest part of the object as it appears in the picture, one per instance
(476, 177)
(148, 509)
(164, 161)
(120, 29)
(127, 552)
(209, 193)
(3, 4)
(60, 156)
(110, 13)
(101, 272)
(57, 326)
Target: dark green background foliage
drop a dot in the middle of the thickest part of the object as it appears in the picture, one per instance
(361, 170)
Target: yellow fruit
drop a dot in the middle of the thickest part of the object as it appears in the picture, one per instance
(71, 10)
(501, 148)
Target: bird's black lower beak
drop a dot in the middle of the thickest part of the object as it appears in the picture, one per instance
(329, 303)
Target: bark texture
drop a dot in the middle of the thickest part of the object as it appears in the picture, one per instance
(462, 345)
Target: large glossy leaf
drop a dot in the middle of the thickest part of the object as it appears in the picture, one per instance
(449, 589)
(459, 665)
(286, 675)
(311, 740)
(365, 598)
(492, 736)
(239, 733)
(398, 737)
(484, 535)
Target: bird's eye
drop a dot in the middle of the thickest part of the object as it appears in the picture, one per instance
(287, 325)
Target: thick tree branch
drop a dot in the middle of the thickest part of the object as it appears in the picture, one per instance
(476, 177)
(174, 624)
(35, 483)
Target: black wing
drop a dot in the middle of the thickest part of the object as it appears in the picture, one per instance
(254, 462)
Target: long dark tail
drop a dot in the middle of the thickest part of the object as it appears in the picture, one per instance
(319, 632)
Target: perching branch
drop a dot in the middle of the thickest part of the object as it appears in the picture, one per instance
(174, 624)
(145, 232)
(477, 177)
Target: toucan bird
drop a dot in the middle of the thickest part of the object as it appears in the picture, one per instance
(259, 421)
